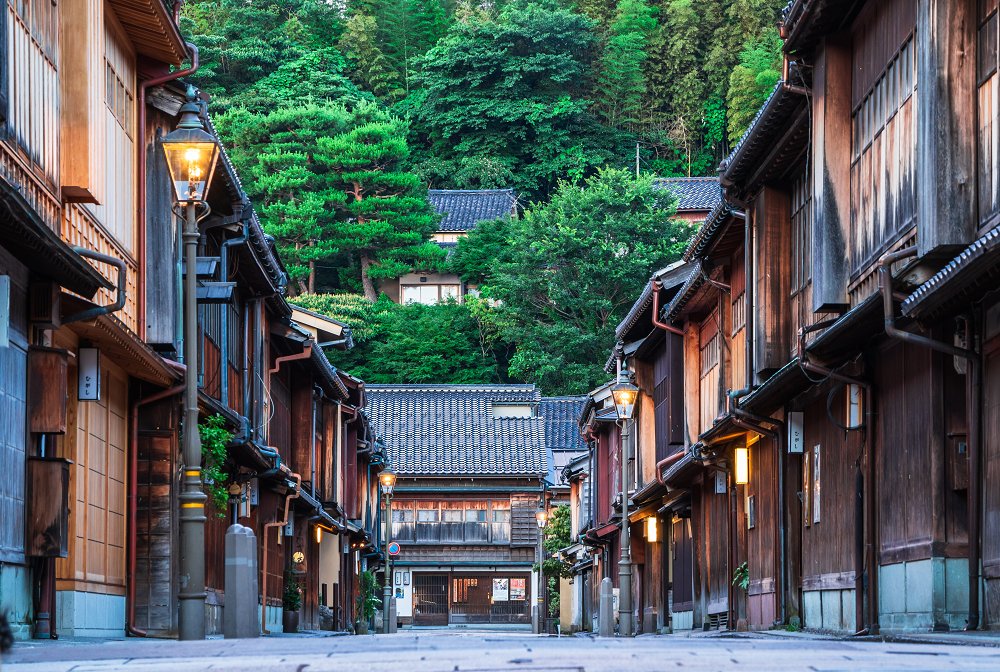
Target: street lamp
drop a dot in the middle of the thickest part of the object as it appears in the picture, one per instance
(538, 609)
(625, 394)
(388, 480)
(191, 155)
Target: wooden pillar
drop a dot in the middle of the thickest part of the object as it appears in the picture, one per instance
(830, 173)
(946, 125)
(772, 280)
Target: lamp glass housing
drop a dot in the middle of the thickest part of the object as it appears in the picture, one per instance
(742, 466)
(191, 156)
(651, 529)
(388, 481)
(624, 393)
(319, 534)
(541, 517)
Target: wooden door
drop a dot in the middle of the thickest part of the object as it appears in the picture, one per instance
(681, 558)
(430, 599)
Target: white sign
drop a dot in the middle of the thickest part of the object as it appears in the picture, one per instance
(89, 382)
(501, 590)
(720, 482)
(4, 311)
(796, 435)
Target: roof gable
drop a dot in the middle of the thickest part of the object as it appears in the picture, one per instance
(451, 429)
(463, 209)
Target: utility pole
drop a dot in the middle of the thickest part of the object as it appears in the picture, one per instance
(637, 160)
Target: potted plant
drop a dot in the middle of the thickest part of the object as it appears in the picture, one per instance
(291, 602)
(368, 603)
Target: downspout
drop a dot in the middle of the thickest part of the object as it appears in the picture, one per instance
(316, 399)
(973, 401)
(784, 79)
(94, 313)
(657, 286)
(140, 171)
(224, 264)
(859, 493)
(267, 527)
(133, 487)
(305, 354)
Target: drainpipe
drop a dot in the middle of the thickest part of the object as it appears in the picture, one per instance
(305, 354)
(140, 172)
(784, 79)
(859, 493)
(224, 263)
(94, 313)
(973, 401)
(670, 459)
(267, 527)
(317, 397)
(657, 286)
(133, 486)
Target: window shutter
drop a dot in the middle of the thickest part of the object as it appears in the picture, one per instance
(523, 528)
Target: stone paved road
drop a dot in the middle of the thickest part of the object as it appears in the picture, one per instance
(450, 651)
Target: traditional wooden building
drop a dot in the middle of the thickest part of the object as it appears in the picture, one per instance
(832, 351)
(471, 463)
(696, 196)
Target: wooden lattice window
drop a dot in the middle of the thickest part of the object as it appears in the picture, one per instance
(989, 137)
(801, 232)
(709, 384)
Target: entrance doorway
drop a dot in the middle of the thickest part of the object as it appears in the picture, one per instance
(430, 599)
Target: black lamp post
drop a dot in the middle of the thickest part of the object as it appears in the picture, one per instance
(388, 480)
(191, 155)
(538, 610)
(624, 393)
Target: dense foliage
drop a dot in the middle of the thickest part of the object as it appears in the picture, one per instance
(517, 93)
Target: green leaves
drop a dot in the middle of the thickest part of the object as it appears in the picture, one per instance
(214, 439)
(753, 80)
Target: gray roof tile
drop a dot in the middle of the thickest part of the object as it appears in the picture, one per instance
(463, 209)
(693, 193)
(450, 429)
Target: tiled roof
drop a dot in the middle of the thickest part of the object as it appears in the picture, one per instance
(463, 209)
(450, 429)
(693, 193)
(561, 415)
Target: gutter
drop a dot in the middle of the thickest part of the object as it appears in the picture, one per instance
(140, 173)
(973, 400)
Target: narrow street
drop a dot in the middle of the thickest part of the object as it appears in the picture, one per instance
(451, 650)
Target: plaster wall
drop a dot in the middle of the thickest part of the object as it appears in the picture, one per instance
(81, 614)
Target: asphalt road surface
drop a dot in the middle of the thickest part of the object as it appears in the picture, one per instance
(451, 651)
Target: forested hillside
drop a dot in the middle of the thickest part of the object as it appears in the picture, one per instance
(515, 93)
(340, 115)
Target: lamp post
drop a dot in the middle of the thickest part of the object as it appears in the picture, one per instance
(388, 479)
(624, 393)
(538, 610)
(191, 155)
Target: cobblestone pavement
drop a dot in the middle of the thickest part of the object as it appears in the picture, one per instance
(469, 651)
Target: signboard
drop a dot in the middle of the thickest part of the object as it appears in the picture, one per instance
(517, 589)
(501, 590)
(796, 437)
(89, 381)
(393, 548)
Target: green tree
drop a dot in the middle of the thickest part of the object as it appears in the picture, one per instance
(574, 268)
(503, 96)
(476, 252)
(753, 81)
(557, 535)
(621, 82)
(370, 69)
(387, 217)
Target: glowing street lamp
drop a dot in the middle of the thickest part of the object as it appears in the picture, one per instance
(624, 393)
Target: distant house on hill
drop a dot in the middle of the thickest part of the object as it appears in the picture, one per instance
(462, 210)
(696, 196)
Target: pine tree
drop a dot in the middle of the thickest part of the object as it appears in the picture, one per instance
(388, 219)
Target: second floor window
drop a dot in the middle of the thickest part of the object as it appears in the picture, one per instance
(476, 521)
(989, 137)
(801, 232)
